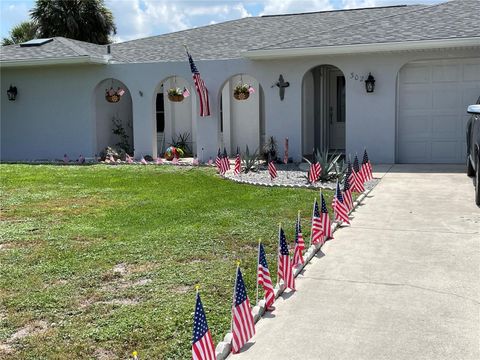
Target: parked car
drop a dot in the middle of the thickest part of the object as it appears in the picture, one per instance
(473, 147)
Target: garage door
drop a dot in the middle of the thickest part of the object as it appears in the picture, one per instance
(432, 101)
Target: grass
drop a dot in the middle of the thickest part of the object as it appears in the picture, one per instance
(97, 261)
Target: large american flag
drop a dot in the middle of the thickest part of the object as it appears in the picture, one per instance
(325, 221)
(243, 327)
(263, 277)
(299, 243)
(366, 168)
(316, 235)
(202, 343)
(285, 269)
(200, 87)
(347, 193)
(238, 163)
(339, 208)
(272, 170)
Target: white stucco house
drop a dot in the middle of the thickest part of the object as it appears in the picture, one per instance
(425, 61)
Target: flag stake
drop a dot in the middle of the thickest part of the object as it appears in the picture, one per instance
(258, 264)
(313, 213)
(234, 290)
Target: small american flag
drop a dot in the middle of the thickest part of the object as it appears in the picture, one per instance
(314, 172)
(317, 231)
(285, 269)
(355, 183)
(366, 168)
(243, 327)
(325, 221)
(159, 160)
(202, 342)
(129, 159)
(347, 194)
(339, 208)
(143, 161)
(358, 175)
(200, 87)
(224, 162)
(238, 163)
(65, 159)
(175, 160)
(195, 161)
(272, 170)
(218, 161)
(81, 159)
(299, 243)
(263, 277)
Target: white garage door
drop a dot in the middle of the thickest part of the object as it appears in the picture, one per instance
(432, 101)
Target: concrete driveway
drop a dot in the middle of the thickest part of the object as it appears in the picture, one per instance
(401, 283)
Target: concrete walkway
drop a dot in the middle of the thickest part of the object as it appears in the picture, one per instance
(401, 283)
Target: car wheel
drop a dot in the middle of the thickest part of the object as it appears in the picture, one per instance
(470, 170)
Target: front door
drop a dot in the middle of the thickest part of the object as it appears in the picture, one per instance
(336, 110)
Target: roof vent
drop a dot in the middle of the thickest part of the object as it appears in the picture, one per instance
(36, 42)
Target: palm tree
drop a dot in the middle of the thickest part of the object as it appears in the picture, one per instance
(85, 20)
(20, 33)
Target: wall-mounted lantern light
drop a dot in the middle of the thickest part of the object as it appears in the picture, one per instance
(12, 93)
(370, 83)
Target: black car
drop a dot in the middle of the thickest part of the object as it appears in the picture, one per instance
(473, 147)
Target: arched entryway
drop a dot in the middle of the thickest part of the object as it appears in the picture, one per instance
(173, 115)
(323, 109)
(113, 116)
(242, 121)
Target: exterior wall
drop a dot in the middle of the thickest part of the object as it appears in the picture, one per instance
(54, 110)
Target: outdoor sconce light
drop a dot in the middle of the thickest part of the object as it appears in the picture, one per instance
(370, 83)
(12, 93)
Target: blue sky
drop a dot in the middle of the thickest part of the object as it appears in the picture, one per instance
(141, 18)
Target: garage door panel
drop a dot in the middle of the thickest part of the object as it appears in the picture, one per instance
(441, 73)
(432, 101)
(445, 151)
(446, 98)
(471, 72)
(417, 74)
(418, 151)
(417, 98)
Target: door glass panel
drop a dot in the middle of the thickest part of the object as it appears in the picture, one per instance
(341, 99)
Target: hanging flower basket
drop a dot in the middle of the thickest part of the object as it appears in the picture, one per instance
(113, 96)
(177, 94)
(242, 91)
(175, 98)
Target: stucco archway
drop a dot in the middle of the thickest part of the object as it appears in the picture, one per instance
(323, 109)
(174, 119)
(113, 120)
(241, 122)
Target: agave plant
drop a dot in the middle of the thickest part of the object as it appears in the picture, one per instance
(183, 142)
(332, 167)
(270, 149)
(250, 161)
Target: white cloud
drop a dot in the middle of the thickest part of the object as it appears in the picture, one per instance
(295, 6)
(12, 14)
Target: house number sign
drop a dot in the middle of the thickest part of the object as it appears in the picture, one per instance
(356, 77)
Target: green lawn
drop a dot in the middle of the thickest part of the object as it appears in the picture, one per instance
(97, 261)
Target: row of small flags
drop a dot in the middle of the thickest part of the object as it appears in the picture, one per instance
(242, 325)
(356, 180)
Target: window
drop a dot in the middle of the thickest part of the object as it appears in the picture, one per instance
(341, 99)
(221, 114)
(160, 112)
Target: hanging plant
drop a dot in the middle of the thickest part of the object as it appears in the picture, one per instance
(112, 95)
(177, 94)
(242, 91)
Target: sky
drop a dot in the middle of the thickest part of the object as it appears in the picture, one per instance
(141, 18)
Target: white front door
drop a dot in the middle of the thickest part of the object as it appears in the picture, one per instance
(336, 110)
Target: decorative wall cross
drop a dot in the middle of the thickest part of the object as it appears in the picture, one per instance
(281, 84)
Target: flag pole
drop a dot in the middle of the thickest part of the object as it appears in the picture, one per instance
(234, 290)
(313, 212)
(258, 265)
(278, 252)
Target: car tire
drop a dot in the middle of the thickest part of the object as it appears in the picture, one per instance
(477, 185)
(470, 169)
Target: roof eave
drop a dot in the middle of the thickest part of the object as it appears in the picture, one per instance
(267, 54)
(71, 60)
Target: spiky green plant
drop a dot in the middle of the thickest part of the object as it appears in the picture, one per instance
(250, 161)
(332, 166)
